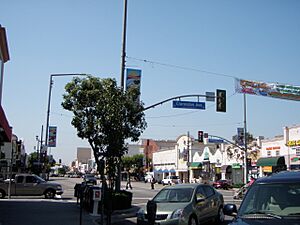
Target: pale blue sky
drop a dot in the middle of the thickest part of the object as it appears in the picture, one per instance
(255, 40)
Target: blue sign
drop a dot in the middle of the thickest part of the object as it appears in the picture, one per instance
(188, 105)
(211, 140)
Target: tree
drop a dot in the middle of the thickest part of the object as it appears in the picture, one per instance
(133, 164)
(105, 116)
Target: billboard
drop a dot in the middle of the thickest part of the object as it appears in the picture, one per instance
(52, 136)
(275, 90)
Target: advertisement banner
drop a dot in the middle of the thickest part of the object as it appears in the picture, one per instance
(274, 90)
(133, 78)
(52, 136)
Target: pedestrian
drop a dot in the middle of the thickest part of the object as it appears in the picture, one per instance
(152, 181)
(128, 184)
(252, 180)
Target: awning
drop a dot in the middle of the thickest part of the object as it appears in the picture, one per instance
(196, 165)
(172, 171)
(271, 161)
(165, 171)
(5, 130)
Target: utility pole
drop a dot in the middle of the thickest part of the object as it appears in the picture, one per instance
(188, 156)
(245, 140)
(124, 44)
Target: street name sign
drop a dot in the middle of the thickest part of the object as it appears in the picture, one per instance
(188, 105)
(212, 140)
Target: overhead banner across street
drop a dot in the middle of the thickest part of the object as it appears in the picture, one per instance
(275, 90)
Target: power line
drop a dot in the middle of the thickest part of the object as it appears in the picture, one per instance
(182, 67)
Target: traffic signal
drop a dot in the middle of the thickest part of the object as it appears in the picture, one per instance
(200, 136)
(221, 100)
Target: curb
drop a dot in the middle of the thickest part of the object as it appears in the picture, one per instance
(121, 215)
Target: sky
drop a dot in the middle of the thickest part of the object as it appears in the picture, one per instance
(182, 47)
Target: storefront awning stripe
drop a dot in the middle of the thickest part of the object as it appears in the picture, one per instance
(196, 165)
(271, 161)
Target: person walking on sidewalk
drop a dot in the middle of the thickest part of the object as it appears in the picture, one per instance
(128, 184)
(152, 181)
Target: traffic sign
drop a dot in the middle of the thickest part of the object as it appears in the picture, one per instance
(188, 105)
(212, 140)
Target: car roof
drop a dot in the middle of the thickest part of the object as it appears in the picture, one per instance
(192, 185)
(281, 177)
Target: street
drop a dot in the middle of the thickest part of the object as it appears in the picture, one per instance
(64, 210)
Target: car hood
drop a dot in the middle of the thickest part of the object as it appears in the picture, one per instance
(169, 206)
(240, 221)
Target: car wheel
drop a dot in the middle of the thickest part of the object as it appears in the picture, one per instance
(220, 217)
(193, 221)
(2, 194)
(49, 194)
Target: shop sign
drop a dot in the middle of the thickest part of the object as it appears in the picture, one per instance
(267, 169)
(236, 166)
(293, 143)
(273, 148)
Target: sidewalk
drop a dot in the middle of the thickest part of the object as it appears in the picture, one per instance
(119, 216)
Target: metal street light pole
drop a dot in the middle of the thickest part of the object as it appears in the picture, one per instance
(49, 97)
(124, 44)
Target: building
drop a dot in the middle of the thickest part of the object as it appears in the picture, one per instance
(281, 152)
(5, 129)
(84, 155)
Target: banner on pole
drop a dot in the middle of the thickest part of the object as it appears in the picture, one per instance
(275, 90)
(133, 78)
(52, 136)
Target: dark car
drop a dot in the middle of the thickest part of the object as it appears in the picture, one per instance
(90, 178)
(270, 200)
(223, 184)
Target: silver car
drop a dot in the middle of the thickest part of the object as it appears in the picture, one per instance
(185, 204)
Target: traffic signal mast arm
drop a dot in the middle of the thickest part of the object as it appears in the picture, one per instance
(177, 97)
(230, 142)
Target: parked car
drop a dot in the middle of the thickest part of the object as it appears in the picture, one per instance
(169, 180)
(30, 185)
(274, 199)
(90, 178)
(185, 204)
(223, 184)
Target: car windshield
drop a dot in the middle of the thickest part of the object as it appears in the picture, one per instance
(280, 199)
(174, 195)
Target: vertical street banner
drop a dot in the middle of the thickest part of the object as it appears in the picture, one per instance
(52, 136)
(275, 90)
(133, 78)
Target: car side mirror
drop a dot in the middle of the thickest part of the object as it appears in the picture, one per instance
(230, 210)
(200, 198)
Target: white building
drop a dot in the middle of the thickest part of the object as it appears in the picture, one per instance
(281, 152)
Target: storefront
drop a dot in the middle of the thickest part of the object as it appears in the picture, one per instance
(271, 165)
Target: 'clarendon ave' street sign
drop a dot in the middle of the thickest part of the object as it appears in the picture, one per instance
(188, 105)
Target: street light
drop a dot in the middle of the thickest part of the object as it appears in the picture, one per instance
(49, 97)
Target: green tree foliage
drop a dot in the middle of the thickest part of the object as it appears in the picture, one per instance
(36, 163)
(133, 163)
(105, 116)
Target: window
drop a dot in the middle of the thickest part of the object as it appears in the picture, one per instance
(30, 179)
(208, 191)
(19, 179)
(298, 151)
(277, 153)
(268, 153)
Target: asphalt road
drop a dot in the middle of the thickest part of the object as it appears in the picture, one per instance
(65, 211)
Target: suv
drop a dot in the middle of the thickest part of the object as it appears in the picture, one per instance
(171, 180)
(270, 200)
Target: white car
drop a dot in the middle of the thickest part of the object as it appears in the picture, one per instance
(169, 180)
